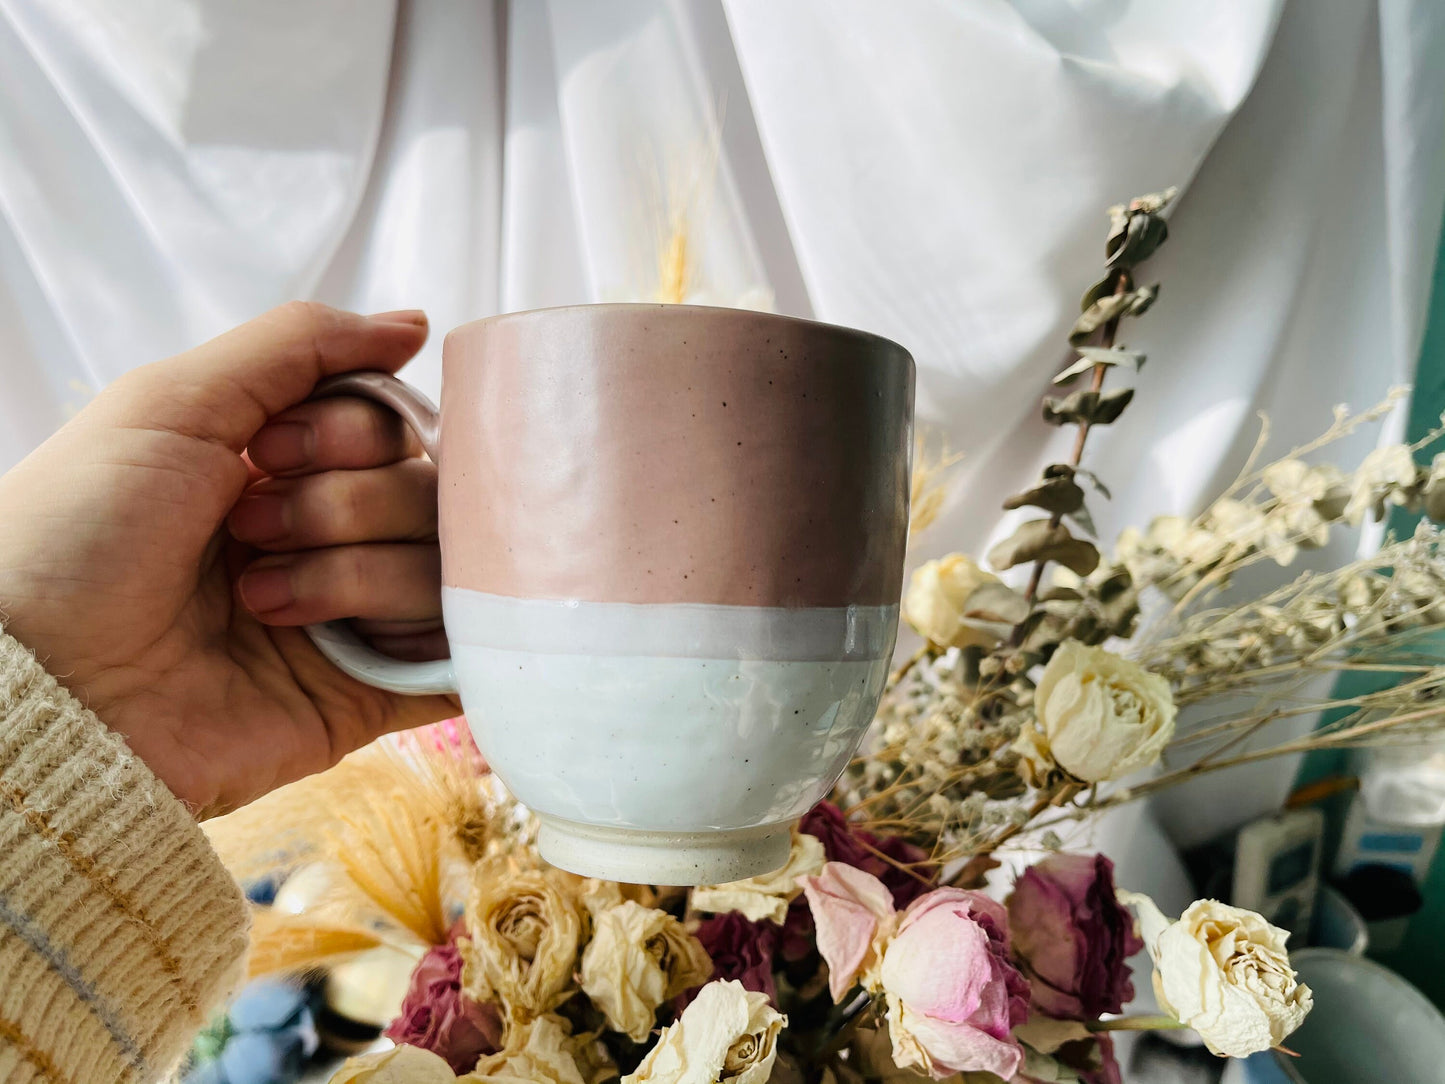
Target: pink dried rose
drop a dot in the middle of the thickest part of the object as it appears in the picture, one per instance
(854, 916)
(437, 1016)
(954, 995)
(1073, 936)
(740, 950)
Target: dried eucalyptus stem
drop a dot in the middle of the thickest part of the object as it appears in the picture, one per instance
(1136, 231)
(1123, 283)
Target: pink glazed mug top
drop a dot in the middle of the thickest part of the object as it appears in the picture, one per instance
(674, 454)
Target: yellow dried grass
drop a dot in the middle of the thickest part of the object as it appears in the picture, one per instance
(289, 943)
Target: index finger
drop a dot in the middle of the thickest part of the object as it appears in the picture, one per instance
(225, 390)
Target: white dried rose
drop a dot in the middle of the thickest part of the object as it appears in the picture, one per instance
(728, 1035)
(1224, 972)
(934, 604)
(638, 958)
(540, 1052)
(1096, 715)
(767, 895)
(525, 929)
(399, 1065)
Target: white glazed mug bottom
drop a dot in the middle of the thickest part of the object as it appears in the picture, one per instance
(657, 743)
(634, 856)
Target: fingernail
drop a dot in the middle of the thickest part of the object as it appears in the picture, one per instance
(400, 316)
(264, 590)
(261, 519)
(284, 446)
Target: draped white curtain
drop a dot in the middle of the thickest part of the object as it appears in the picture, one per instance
(935, 171)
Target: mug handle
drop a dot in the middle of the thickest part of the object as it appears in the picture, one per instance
(335, 639)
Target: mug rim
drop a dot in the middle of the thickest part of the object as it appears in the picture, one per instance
(713, 311)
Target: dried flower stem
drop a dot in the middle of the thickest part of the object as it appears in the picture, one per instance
(1062, 795)
(1135, 1023)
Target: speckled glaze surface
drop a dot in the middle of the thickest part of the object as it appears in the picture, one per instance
(672, 551)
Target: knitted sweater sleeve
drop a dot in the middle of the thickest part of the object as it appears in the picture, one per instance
(119, 927)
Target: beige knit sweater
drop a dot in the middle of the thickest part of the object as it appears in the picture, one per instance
(120, 930)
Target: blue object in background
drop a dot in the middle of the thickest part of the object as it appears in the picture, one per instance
(266, 1037)
(263, 892)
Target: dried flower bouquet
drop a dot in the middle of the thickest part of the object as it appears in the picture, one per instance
(876, 954)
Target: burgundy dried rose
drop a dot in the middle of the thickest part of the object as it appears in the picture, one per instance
(844, 842)
(740, 950)
(437, 1016)
(1073, 937)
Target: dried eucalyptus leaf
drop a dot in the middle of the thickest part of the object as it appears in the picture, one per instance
(1141, 299)
(1081, 517)
(1109, 405)
(1091, 407)
(1103, 288)
(1060, 594)
(1141, 236)
(1113, 355)
(1064, 608)
(1040, 540)
(1087, 629)
(996, 602)
(1089, 356)
(1109, 307)
(1079, 367)
(1059, 495)
(996, 631)
(1043, 632)
(1095, 481)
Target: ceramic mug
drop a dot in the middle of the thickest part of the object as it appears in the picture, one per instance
(672, 550)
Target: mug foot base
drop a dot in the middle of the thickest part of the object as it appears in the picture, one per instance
(634, 856)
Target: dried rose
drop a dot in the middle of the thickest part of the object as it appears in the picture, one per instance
(540, 1052)
(437, 1015)
(526, 929)
(1097, 715)
(935, 602)
(399, 1065)
(1073, 936)
(954, 996)
(638, 958)
(766, 896)
(740, 950)
(1224, 972)
(728, 1035)
(854, 916)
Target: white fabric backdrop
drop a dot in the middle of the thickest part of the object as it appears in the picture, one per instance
(935, 171)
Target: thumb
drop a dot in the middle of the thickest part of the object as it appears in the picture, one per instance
(225, 390)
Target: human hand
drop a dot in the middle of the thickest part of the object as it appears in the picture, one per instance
(130, 569)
